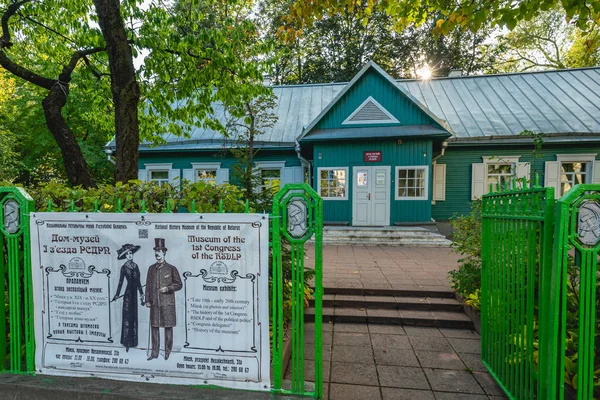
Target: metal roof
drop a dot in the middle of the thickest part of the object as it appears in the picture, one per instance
(550, 102)
(296, 106)
(560, 102)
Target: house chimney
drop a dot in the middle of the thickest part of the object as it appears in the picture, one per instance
(267, 80)
(454, 72)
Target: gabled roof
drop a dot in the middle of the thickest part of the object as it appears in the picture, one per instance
(357, 77)
(474, 108)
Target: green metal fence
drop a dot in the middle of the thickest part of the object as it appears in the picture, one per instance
(539, 291)
(293, 205)
(15, 281)
(575, 298)
(297, 216)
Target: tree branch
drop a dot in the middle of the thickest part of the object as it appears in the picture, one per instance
(27, 17)
(10, 11)
(65, 75)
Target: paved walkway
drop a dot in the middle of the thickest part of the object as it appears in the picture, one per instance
(388, 362)
(384, 267)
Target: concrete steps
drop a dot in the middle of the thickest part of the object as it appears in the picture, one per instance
(388, 236)
(401, 307)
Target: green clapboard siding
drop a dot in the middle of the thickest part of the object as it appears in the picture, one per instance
(183, 160)
(373, 84)
(350, 154)
(458, 162)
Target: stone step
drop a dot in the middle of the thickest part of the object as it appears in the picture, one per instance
(439, 319)
(442, 293)
(379, 242)
(387, 235)
(391, 302)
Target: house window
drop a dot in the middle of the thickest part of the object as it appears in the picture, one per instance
(571, 174)
(333, 183)
(501, 173)
(411, 183)
(208, 176)
(159, 176)
(271, 180)
(502, 170)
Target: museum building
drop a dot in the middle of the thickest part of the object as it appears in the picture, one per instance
(384, 152)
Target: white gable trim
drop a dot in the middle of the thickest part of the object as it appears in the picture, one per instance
(386, 76)
(389, 120)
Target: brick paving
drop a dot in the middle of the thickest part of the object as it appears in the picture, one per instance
(385, 267)
(391, 362)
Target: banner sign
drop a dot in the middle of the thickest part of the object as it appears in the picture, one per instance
(167, 298)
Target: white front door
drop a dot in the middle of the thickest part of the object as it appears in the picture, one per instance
(371, 196)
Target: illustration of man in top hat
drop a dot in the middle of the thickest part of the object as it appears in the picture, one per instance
(162, 282)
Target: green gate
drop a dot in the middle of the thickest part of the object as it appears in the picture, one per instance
(297, 216)
(539, 291)
(15, 281)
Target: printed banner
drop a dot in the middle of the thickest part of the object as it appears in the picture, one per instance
(166, 298)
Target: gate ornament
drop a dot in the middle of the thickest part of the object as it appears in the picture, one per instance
(297, 218)
(588, 223)
(11, 216)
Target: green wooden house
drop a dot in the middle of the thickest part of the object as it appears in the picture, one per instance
(387, 152)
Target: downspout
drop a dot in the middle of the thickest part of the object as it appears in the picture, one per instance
(109, 157)
(304, 162)
(444, 146)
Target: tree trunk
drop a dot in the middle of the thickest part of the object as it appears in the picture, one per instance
(125, 89)
(73, 160)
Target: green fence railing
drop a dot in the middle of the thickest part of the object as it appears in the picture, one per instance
(297, 216)
(516, 244)
(18, 352)
(540, 292)
(574, 269)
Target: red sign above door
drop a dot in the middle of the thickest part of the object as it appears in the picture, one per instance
(372, 156)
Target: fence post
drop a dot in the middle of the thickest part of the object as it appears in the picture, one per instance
(16, 205)
(577, 229)
(297, 216)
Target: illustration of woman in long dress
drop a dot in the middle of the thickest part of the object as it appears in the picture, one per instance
(131, 272)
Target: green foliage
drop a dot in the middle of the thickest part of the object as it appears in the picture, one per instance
(466, 280)
(245, 124)
(474, 299)
(200, 53)
(546, 41)
(131, 194)
(335, 47)
(572, 329)
(472, 15)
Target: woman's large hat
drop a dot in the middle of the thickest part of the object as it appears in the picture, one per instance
(125, 249)
(159, 244)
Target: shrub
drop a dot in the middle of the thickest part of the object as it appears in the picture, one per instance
(466, 280)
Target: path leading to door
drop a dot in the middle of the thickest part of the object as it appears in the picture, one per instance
(386, 267)
(391, 362)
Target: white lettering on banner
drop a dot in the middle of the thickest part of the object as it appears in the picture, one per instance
(167, 298)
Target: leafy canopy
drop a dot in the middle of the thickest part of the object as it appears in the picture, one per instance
(471, 14)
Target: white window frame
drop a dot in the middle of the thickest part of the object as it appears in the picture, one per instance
(391, 120)
(345, 197)
(158, 167)
(426, 183)
(206, 167)
(513, 161)
(588, 158)
(272, 166)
